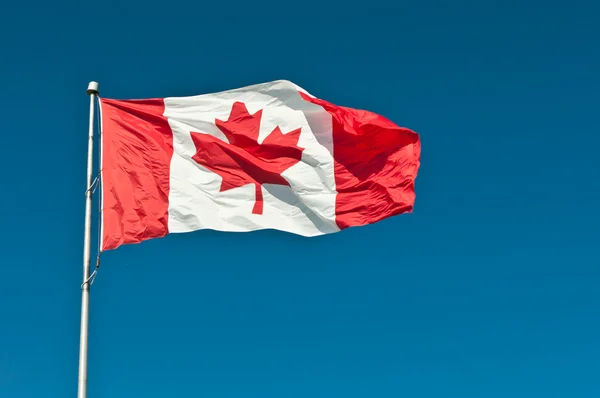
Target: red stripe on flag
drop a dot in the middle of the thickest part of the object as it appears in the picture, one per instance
(375, 165)
(137, 146)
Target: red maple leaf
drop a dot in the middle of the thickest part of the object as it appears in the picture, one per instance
(243, 160)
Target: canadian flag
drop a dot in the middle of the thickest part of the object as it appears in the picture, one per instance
(265, 156)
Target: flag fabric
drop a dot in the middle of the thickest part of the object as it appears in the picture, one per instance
(267, 156)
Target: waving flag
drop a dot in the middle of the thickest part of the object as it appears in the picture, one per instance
(264, 156)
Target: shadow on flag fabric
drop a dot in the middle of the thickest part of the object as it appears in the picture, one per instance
(265, 156)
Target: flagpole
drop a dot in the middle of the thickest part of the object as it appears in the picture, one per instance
(92, 91)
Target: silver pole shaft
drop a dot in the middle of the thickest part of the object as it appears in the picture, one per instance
(85, 287)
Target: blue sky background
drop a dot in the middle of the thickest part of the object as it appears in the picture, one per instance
(489, 289)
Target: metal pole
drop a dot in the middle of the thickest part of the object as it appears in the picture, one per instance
(85, 287)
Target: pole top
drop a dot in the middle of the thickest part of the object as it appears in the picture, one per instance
(92, 88)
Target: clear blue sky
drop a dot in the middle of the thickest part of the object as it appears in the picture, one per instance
(491, 288)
